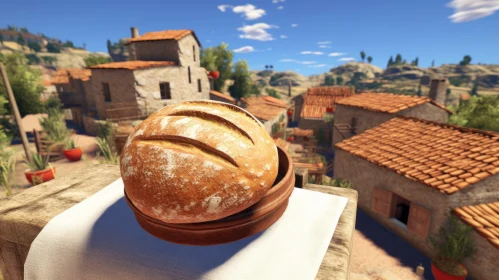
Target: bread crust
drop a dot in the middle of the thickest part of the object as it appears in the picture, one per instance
(198, 161)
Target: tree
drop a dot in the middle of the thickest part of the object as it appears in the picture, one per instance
(53, 48)
(474, 89)
(419, 92)
(109, 46)
(433, 63)
(416, 61)
(23, 30)
(480, 112)
(220, 58)
(255, 89)
(369, 59)
(242, 80)
(49, 59)
(84, 46)
(362, 55)
(266, 67)
(33, 59)
(328, 80)
(34, 46)
(390, 62)
(272, 92)
(68, 44)
(398, 59)
(93, 60)
(11, 28)
(466, 60)
(1, 38)
(339, 80)
(20, 40)
(25, 83)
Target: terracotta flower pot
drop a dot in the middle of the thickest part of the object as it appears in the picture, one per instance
(440, 275)
(291, 139)
(215, 74)
(73, 154)
(40, 176)
(246, 223)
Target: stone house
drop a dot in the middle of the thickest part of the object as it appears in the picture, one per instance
(269, 110)
(363, 111)
(316, 102)
(410, 173)
(218, 96)
(164, 69)
(71, 85)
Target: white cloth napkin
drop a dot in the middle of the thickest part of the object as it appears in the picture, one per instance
(99, 238)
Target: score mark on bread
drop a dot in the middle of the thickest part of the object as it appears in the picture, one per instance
(198, 161)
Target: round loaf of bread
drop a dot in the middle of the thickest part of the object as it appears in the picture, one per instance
(198, 161)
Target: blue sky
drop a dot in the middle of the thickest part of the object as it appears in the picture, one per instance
(277, 32)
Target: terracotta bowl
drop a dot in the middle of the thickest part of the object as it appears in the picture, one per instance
(246, 223)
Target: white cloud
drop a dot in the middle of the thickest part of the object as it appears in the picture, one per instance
(324, 46)
(336, 54)
(318, 65)
(257, 32)
(284, 36)
(294, 25)
(277, 1)
(249, 11)
(307, 62)
(245, 49)
(309, 52)
(346, 59)
(324, 43)
(280, 7)
(288, 60)
(468, 10)
(223, 8)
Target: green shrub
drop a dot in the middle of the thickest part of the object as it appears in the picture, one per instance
(37, 163)
(106, 150)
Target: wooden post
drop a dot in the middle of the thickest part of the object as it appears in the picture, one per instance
(15, 110)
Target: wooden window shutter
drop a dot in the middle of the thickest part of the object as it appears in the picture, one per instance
(419, 220)
(382, 202)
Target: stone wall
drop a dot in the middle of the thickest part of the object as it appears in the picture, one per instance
(365, 119)
(427, 111)
(121, 85)
(268, 124)
(364, 176)
(316, 125)
(90, 125)
(189, 54)
(148, 91)
(166, 50)
(485, 263)
(217, 98)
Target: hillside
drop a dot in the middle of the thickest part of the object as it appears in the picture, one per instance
(402, 79)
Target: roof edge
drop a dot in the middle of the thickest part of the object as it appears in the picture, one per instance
(460, 128)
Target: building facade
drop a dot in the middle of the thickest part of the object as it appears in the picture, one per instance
(269, 110)
(411, 173)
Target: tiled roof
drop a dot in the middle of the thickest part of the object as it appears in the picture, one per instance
(264, 112)
(133, 65)
(317, 99)
(275, 100)
(302, 132)
(444, 157)
(268, 100)
(484, 218)
(386, 102)
(164, 35)
(62, 75)
(221, 95)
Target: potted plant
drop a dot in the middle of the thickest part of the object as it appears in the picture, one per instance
(40, 170)
(71, 151)
(452, 245)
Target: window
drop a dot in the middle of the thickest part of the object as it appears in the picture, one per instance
(189, 73)
(164, 89)
(199, 85)
(407, 214)
(194, 52)
(106, 92)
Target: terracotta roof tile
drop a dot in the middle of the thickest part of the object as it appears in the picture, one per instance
(62, 75)
(133, 65)
(301, 132)
(408, 147)
(317, 99)
(259, 107)
(163, 35)
(484, 218)
(387, 102)
(224, 96)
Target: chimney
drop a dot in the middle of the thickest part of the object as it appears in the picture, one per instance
(135, 32)
(438, 89)
(289, 88)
